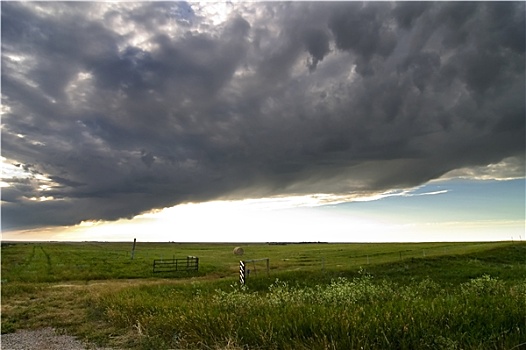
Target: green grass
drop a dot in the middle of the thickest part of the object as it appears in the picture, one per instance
(346, 314)
(55, 262)
(318, 296)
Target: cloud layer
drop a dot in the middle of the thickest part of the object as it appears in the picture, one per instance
(113, 109)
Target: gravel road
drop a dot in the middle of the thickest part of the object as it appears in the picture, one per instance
(43, 339)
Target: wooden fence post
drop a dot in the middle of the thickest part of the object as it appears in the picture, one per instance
(133, 248)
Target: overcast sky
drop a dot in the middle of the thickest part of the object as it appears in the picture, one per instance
(110, 110)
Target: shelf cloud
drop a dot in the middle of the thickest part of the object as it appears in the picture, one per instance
(110, 110)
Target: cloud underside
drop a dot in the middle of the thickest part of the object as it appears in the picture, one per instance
(114, 109)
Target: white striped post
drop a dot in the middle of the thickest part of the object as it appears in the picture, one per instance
(242, 272)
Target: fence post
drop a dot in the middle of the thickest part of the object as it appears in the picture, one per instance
(133, 248)
(242, 272)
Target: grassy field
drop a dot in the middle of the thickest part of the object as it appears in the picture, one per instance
(317, 296)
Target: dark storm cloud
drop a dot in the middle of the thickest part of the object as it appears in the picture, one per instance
(111, 110)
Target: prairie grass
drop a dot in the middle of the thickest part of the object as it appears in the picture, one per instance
(318, 296)
(446, 303)
(59, 262)
(483, 313)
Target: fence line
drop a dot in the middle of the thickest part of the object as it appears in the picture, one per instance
(326, 262)
(244, 272)
(190, 263)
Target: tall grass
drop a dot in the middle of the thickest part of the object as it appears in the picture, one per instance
(484, 313)
(433, 295)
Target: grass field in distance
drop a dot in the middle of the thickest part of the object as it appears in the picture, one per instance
(317, 296)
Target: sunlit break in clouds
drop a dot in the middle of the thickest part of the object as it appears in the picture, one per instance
(263, 121)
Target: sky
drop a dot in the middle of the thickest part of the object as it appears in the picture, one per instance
(263, 121)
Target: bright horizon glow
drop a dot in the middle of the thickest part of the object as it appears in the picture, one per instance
(377, 218)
